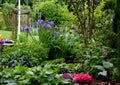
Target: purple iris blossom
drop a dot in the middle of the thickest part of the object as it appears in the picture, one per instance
(39, 23)
(47, 25)
(51, 23)
(56, 27)
(27, 28)
(3, 41)
(56, 33)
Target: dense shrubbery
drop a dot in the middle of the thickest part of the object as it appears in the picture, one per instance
(23, 54)
(51, 11)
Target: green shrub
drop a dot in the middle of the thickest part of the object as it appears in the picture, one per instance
(23, 54)
(49, 10)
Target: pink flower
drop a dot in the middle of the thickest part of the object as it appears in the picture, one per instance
(80, 78)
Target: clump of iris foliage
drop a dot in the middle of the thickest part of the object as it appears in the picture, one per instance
(49, 36)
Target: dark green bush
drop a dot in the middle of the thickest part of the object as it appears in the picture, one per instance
(23, 54)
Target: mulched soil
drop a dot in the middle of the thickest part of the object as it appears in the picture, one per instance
(99, 82)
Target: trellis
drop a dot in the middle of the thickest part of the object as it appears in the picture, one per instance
(14, 19)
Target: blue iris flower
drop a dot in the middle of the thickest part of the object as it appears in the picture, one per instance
(27, 28)
(39, 23)
(56, 27)
(47, 25)
(56, 33)
(51, 23)
(2, 41)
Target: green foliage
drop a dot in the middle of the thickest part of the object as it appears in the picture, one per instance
(116, 22)
(7, 11)
(45, 75)
(7, 8)
(115, 38)
(55, 12)
(96, 55)
(29, 54)
(23, 37)
(109, 4)
(103, 18)
(68, 17)
(97, 59)
(50, 11)
(6, 34)
(57, 46)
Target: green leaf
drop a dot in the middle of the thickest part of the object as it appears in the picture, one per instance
(30, 72)
(103, 73)
(99, 67)
(107, 64)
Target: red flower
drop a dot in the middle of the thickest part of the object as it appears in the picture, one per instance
(80, 78)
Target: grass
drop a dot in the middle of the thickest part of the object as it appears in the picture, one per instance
(6, 34)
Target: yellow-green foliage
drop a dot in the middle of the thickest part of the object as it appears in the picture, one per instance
(103, 18)
(55, 12)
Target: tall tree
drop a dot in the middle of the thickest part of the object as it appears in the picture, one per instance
(84, 10)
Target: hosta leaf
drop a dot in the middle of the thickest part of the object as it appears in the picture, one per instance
(99, 67)
(29, 72)
(107, 64)
(11, 84)
(48, 72)
(103, 73)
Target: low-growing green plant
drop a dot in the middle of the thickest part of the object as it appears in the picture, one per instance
(45, 75)
(29, 54)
